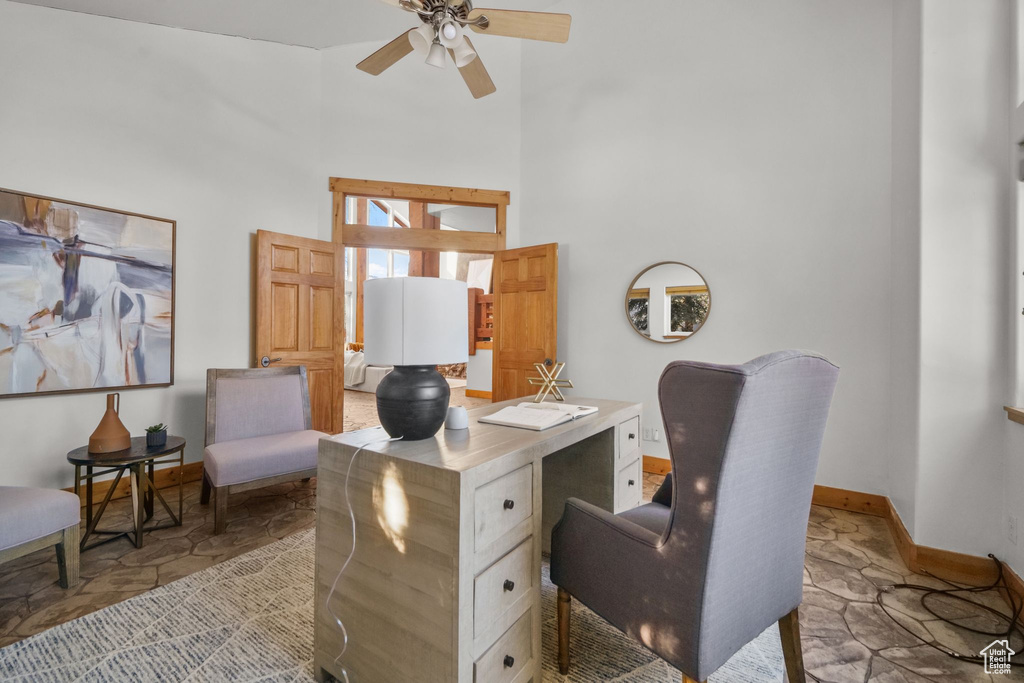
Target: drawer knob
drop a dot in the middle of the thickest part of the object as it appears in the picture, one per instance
(632, 435)
(509, 503)
(510, 661)
(510, 585)
(632, 483)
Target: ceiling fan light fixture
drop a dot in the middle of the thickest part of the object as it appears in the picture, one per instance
(436, 56)
(449, 33)
(464, 53)
(450, 30)
(421, 38)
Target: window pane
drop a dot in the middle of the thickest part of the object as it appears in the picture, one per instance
(401, 265)
(688, 312)
(350, 316)
(376, 263)
(464, 218)
(350, 264)
(638, 315)
(377, 216)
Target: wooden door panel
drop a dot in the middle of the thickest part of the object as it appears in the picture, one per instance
(321, 263)
(526, 315)
(284, 259)
(300, 316)
(321, 393)
(284, 312)
(321, 318)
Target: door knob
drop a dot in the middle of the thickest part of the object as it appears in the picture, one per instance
(267, 360)
(547, 362)
(632, 483)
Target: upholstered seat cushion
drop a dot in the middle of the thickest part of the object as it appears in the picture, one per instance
(27, 514)
(653, 517)
(244, 460)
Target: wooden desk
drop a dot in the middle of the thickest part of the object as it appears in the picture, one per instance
(444, 584)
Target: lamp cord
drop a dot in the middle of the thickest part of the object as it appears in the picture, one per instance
(351, 553)
(951, 592)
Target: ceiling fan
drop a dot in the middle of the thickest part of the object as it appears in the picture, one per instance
(443, 30)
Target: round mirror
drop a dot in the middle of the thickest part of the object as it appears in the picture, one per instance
(668, 302)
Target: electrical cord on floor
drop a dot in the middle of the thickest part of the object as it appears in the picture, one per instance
(952, 592)
(351, 553)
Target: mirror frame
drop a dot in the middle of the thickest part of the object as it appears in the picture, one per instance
(632, 284)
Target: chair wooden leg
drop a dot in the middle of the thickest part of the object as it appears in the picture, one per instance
(67, 557)
(564, 609)
(687, 679)
(204, 496)
(220, 509)
(789, 629)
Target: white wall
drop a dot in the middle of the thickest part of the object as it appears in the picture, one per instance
(1013, 467)
(479, 371)
(769, 127)
(214, 132)
(905, 273)
(965, 227)
(421, 125)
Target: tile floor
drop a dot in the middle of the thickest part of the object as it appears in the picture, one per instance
(846, 636)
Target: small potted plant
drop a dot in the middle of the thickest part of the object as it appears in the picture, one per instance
(156, 435)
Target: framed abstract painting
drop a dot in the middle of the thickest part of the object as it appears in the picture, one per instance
(86, 297)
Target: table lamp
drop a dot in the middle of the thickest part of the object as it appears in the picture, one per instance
(414, 324)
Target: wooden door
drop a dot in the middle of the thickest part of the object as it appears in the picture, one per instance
(300, 317)
(525, 317)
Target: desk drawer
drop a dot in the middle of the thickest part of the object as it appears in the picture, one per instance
(500, 586)
(628, 487)
(629, 438)
(509, 655)
(502, 504)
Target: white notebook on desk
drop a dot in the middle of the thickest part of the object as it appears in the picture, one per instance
(538, 416)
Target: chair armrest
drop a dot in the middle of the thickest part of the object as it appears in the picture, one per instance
(598, 522)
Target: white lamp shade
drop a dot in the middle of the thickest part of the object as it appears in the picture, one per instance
(437, 55)
(415, 321)
(421, 38)
(450, 34)
(464, 54)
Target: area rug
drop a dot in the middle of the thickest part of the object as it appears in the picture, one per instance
(251, 619)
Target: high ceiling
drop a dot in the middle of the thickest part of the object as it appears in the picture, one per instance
(308, 23)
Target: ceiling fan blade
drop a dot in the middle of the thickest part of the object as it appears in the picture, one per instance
(531, 25)
(397, 3)
(387, 56)
(476, 76)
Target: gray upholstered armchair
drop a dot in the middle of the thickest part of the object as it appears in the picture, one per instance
(258, 433)
(718, 557)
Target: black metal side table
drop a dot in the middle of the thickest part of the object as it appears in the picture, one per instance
(139, 461)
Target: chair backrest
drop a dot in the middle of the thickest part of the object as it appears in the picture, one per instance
(744, 442)
(243, 404)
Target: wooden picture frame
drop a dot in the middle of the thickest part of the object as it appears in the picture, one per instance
(91, 303)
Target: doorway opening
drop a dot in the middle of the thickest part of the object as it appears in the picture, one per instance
(308, 292)
(470, 382)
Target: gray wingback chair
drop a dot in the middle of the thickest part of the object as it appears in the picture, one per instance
(718, 557)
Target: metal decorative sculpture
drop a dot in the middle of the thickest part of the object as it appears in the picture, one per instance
(549, 382)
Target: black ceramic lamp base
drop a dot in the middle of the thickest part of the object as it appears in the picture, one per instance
(412, 401)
